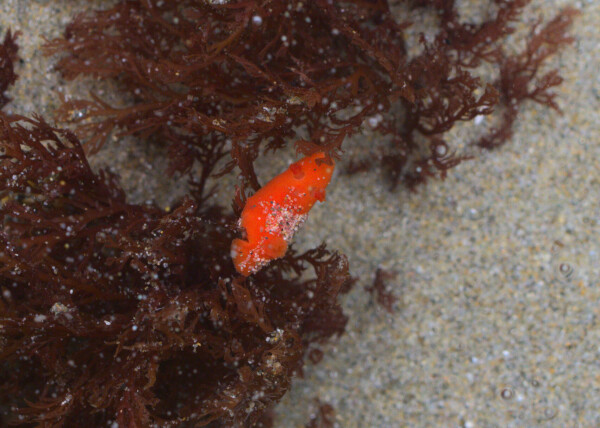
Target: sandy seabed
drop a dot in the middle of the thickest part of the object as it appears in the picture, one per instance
(497, 322)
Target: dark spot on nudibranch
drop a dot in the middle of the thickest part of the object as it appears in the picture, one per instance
(297, 171)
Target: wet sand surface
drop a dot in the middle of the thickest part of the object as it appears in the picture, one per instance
(496, 323)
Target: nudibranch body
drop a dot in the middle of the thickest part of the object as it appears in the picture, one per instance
(272, 215)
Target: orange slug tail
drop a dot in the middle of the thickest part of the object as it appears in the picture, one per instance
(249, 258)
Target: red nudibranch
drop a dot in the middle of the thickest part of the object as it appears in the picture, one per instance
(272, 215)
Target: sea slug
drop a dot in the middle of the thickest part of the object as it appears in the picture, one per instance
(272, 215)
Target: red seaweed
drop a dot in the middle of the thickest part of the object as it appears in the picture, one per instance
(324, 416)
(382, 291)
(126, 313)
(8, 56)
(259, 74)
(519, 75)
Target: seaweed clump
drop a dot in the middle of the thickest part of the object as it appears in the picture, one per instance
(113, 312)
(241, 77)
(324, 417)
(381, 290)
(8, 56)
